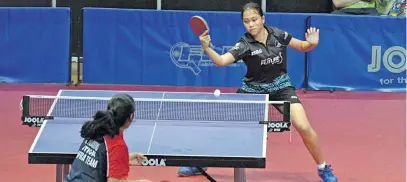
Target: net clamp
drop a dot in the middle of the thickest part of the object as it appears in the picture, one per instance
(276, 126)
(35, 121)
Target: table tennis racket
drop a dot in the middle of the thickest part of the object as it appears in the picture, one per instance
(199, 26)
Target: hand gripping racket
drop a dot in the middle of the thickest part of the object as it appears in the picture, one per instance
(199, 26)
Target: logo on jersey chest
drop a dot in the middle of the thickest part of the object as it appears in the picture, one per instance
(258, 51)
(272, 60)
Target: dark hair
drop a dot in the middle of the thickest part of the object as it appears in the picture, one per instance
(252, 5)
(108, 122)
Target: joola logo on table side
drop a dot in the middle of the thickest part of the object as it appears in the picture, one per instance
(154, 162)
(34, 120)
(277, 125)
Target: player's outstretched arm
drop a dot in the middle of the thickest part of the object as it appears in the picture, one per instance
(220, 60)
(312, 40)
(135, 159)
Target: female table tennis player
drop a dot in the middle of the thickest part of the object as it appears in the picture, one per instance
(263, 50)
(103, 155)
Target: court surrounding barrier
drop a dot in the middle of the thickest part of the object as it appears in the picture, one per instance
(34, 45)
(359, 53)
(158, 48)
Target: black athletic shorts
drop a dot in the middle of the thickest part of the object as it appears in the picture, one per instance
(285, 94)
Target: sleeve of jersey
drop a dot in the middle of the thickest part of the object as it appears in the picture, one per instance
(239, 50)
(117, 161)
(283, 36)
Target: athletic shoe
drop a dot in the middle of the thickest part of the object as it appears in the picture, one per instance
(327, 175)
(189, 171)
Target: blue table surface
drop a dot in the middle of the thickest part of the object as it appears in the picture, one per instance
(186, 138)
(179, 136)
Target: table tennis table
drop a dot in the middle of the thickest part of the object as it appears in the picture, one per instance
(171, 128)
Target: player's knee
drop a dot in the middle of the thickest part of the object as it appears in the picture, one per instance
(304, 129)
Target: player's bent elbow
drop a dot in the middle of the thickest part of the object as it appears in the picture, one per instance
(225, 60)
(220, 63)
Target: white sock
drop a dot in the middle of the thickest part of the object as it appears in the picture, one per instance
(322, 166)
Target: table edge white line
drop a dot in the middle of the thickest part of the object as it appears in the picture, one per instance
(266, 110)
(163, 155)
(159, 109)
(159, 99)
(43, 124)
(151, 139)
(171, 92)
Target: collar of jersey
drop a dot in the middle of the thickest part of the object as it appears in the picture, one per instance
(249, 38)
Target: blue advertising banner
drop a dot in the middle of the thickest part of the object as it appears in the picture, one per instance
(359, 53)
(34, 45)
(150, 47)
(123, 46)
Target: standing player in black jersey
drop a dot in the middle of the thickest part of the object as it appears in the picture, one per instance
(263, 49)
(103, 155)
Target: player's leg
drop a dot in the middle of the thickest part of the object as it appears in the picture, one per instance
(307, 133)
(311, 141)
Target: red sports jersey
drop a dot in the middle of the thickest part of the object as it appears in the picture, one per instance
(117, 157)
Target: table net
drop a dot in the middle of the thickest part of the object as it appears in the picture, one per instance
(158, 109)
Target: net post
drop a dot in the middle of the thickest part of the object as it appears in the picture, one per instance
(25, 104)
(25, 108)
(286, 113)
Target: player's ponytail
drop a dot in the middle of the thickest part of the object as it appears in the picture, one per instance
(101, 125)
(108, 123)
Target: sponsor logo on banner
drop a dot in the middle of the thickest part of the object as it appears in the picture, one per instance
(193, 58)
(392, 59)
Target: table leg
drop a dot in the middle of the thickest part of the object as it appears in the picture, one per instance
(66, 170)
(62, 171)
(59, 173)
(240, 175)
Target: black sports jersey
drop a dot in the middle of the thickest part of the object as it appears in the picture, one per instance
(264, 63)
(90, 163)
(97, 160)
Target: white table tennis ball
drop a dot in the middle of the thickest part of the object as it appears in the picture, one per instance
(217, 92)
